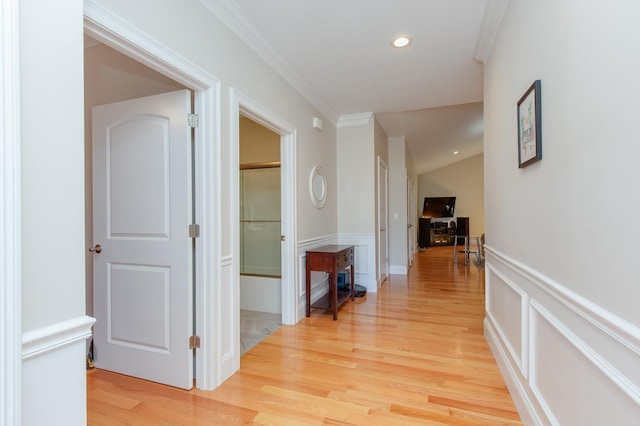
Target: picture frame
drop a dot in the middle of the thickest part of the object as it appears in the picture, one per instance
(530, 126)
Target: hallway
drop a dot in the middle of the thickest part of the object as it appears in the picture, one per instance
(414, 353)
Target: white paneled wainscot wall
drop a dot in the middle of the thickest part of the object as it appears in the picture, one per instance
(544, 335)
(54, 372)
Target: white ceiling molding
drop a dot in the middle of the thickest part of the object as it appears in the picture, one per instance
(90, 42)
(237, 21)
(353, 120)
(491, 20)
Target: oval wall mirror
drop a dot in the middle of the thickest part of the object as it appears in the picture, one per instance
(318, 186)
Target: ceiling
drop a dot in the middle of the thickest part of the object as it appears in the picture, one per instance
(338, 54)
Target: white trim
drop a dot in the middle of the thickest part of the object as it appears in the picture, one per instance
(493, 13)
(398, 269)
(582, 330)
(10, 286)
(317, 242)
(242, 104)
(521, 357)
(55, 336)
(627, 386)
(623, 331)
(381, 164)
(237, 21)
(364, 246)
(101, 24)
(352, 120)
(520, 397)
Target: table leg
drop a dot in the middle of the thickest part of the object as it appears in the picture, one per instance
(308, 295)
(333, 289)
(466, 251)
(353, 284)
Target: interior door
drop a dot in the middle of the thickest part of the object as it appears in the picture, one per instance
(383, 209)
(142, 209)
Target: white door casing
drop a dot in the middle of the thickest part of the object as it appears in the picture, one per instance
(242, 104)
(383, 223)
(142, 210)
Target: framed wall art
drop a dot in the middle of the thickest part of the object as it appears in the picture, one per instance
(529, 126)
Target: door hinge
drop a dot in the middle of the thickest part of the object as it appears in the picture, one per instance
(193, 120)
(194, 342)
(194, 231)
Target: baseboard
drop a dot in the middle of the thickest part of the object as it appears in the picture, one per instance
(562, 356)
(398, 269)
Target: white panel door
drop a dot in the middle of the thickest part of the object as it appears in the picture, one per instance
(142, 210)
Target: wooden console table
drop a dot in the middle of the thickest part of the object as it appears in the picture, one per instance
(331, 259)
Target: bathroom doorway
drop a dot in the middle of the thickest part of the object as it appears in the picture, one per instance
(260, 233)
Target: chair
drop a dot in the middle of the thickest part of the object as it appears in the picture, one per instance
(462, 237)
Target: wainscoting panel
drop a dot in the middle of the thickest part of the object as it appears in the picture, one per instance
(54, 373)
(230, 332)
(507, 307)
(562, 365)
(364, 247)
(576, 363)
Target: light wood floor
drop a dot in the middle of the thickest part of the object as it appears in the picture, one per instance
(414, 353)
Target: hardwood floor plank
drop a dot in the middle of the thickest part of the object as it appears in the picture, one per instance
(412, 353)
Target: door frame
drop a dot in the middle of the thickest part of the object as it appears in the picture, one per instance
(10, 228)
(104, 26)
(242, 104)
(383, 185)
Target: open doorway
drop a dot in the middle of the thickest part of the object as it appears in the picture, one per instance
(110, 76)
(260, 233)
(284, 138)
(139, 165)
(211, 367)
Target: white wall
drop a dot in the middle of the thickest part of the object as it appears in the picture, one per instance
(52, 158)
(53, 203)
(356, 179)
(357, 191)
(413, 204)
(464, 180)
(398, 249)
(380, 154)
(562, 298)
(52, 179)
(257, 143)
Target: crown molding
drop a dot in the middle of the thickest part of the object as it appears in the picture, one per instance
(493, 13)
(352, 120)
(237, 21)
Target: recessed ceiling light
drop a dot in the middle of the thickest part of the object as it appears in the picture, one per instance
(456, 152)
(401, 41)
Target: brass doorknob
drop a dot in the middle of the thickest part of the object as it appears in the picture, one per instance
(96, 249)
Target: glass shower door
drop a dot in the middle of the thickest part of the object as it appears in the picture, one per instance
(260, 221)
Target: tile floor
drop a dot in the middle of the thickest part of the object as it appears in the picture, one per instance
(255, 326)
